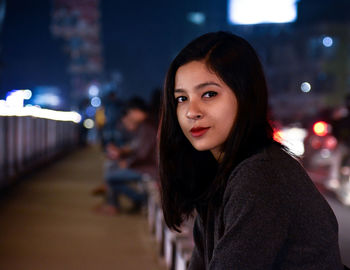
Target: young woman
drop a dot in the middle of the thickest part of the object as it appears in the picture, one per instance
(256, 207)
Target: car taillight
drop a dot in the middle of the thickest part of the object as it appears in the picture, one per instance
(321, 128)
(330, 142)
(316, 142)
(325, 142)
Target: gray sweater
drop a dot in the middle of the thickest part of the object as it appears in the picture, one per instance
(271, 217)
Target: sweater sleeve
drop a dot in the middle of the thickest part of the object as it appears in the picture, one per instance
(197, 258)
(255, 224)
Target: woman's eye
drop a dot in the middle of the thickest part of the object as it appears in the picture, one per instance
(210, 94)
(180, 99)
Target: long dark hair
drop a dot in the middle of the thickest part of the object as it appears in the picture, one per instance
(190, 178)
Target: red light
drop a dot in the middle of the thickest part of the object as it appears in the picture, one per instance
(316, 142)
(331, 142)
(320, 128)
(277, 135)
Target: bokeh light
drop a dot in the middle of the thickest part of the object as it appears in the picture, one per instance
(89, 123)
(96, 102)
(93, 90)
(327, 41)
(305, 87)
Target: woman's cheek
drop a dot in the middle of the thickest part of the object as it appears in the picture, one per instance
(180, 115)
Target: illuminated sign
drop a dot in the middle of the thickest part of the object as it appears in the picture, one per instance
(258, 11)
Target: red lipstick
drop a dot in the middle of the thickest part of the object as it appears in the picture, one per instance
(198, 131)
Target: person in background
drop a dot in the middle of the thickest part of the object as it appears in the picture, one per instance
(100, 120)
(256, 206)
(133, 161)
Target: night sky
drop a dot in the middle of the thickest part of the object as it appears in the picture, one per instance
(30, 55)
(140, 41)
(140, 38)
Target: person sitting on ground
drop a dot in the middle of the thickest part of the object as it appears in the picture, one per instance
(132, 161)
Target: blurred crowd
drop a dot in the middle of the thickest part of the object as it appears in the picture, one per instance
(127, 134)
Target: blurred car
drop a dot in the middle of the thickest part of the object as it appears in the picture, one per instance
(320, 146)
(327, 160)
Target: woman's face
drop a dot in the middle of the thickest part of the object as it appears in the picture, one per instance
(206, 107)
(129, 123)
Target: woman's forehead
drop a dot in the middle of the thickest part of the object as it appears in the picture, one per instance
(194, 74)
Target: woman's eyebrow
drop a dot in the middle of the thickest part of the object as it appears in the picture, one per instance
(202, 85)
(198, 87)
(179, 91)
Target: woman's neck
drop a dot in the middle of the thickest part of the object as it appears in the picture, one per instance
(218, 155)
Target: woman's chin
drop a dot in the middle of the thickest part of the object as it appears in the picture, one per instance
(201, 147)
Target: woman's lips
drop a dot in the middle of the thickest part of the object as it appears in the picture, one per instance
(198, 131)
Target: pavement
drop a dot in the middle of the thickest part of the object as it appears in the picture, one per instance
(341, 211)
(47, 222)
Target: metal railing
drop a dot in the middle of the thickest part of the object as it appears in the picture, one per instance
(27, 142)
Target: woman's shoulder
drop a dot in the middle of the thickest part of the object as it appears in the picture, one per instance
(272, 171)
(275, 177)
(272, 158)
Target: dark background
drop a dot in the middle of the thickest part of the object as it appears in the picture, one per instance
(139, 40)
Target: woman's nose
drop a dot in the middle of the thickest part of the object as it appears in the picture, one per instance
(194, 111)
